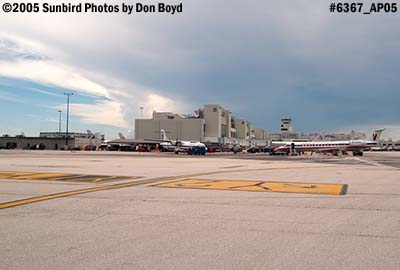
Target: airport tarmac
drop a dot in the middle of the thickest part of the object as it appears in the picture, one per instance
(107, 210)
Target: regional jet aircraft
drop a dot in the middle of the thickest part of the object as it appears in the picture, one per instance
(178, 146)
(356, 146)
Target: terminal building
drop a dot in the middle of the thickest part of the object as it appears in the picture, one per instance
(212, 124)
(176, 126)
(260, 134)
(244, 129)
(53, 141)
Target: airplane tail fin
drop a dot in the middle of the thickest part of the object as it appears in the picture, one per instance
(164, 135)
(90, 133)
(319, 137)
(121, 136)
(377, 134)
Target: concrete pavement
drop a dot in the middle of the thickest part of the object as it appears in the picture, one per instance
(148, 227)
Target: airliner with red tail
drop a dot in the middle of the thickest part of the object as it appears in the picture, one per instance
(355, 146)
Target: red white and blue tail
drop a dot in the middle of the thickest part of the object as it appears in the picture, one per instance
(377, 134)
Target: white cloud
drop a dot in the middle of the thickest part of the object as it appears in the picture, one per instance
(52, 120)
(32, 115)
(121, 113)
(123, 98)
(10, 97)
(51, 73)
(43, 91)
(104, 113)
(155, 102)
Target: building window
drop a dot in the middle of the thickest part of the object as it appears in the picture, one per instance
(223, 130)
(215, 109)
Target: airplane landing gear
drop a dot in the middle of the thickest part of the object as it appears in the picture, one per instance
(357, 153)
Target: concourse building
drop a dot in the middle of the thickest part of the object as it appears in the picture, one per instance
(211, 124)
(176, 126)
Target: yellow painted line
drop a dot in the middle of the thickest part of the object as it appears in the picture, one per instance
(261, 186)
(68, 177)
(127, 184)
(88, 190)
(20, 174)
(97, 180)
(38, 176)
(70, 193)
(114, 178)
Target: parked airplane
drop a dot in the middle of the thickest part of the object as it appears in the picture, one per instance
(178, 146)
(121, 136)
(356, 146)
(275, 144)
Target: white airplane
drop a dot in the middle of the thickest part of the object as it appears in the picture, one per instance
(275, 144)
(121, 136)
(178, 146)
(356, 146)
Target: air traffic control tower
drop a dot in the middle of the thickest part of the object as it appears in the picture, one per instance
(286, 125)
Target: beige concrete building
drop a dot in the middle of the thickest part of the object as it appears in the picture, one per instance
(218, 122)
(210, 124)
(177, 127)
(243, 129)
(260, 134)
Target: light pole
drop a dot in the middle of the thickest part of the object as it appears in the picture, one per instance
(141, 112)
(59, 121)
(66, 130)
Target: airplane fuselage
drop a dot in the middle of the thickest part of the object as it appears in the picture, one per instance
(326, 146)
(184, 146)
(181, 146)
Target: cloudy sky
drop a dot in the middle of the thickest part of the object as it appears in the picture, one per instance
(261, 59)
